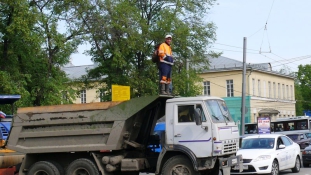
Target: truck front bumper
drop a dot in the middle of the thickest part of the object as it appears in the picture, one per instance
(227, 163)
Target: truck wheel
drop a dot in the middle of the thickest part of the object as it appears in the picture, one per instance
(43, 168)
(58, 166)
(180, 165)
(82, 166)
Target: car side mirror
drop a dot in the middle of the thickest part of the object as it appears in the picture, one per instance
(307, 143)
(197, 116)
(281, 146)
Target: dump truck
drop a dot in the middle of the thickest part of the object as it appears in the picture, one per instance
(118, 137)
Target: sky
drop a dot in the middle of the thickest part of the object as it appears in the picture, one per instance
(276, 31)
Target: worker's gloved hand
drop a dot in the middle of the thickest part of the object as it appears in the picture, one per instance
(169, 59)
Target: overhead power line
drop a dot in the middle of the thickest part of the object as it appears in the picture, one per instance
(286, 61)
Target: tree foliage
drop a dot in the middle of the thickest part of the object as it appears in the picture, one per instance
(33, 50)
(303, 88)
(37, 38)
(123, 33)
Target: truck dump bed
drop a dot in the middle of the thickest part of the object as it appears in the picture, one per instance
(86, 127)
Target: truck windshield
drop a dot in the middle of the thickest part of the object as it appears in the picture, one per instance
(218, 111)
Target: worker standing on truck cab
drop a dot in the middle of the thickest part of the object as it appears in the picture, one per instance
(166, 63)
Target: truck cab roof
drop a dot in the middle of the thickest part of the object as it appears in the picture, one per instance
(198, 98)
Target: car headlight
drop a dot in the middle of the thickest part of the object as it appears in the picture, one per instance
(262, 157)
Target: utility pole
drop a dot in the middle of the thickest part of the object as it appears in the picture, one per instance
(243, 88)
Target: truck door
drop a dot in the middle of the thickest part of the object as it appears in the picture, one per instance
(187, 134)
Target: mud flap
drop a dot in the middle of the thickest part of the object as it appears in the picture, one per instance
(227, 163)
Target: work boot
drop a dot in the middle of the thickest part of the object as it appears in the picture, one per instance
(167, 89)
(163, 90)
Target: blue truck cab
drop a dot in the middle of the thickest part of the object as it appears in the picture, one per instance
(5, 123)
(159, 130)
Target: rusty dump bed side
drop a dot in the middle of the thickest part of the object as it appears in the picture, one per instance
(85, 127)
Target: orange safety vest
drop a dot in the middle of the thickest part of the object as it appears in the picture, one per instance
(165, 50)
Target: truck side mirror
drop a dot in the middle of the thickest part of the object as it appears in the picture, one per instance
(197, 116)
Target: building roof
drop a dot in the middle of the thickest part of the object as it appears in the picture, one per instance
(221, 64)
(76, 72)
(224, 63)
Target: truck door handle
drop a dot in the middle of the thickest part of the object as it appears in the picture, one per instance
(177, 135)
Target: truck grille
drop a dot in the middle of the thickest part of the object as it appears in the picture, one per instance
(230, 148)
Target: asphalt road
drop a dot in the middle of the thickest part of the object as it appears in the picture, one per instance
(303, 171)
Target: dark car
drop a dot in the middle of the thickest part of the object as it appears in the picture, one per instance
(301, 139)
(308, 134)
(306, 156)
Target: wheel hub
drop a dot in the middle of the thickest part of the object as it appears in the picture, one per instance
(180, 170)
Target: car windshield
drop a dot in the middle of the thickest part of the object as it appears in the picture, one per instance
(258, 143)
(219, 111)
(294, 137)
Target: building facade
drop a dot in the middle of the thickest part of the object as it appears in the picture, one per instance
(267, 93)
(84, 95)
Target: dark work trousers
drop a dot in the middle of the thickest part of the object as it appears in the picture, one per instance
(165, 70)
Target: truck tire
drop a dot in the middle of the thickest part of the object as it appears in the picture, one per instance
(58, 166)
(43, 168)
(82, 166)
(177, 165)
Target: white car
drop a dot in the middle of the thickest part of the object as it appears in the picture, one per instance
(268, 154)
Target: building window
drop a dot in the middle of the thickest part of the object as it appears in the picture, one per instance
(254, 89)
(206, 88)
(279, 91)
(291, 93)
(259, 91)
(83, 96)
(269, 89)
(230, 88)
(264, 89)
(274, 90)
(101, 95)
(283, 89)
(287, 91)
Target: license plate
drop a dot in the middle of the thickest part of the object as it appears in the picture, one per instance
(245, 167)
(234, 161)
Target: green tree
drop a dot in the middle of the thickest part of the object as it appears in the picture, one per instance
(16, 43)
(33, 50)
(299, 101)
(123, 33)
(303, 88)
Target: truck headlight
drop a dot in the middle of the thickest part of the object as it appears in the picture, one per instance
(262, 157)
